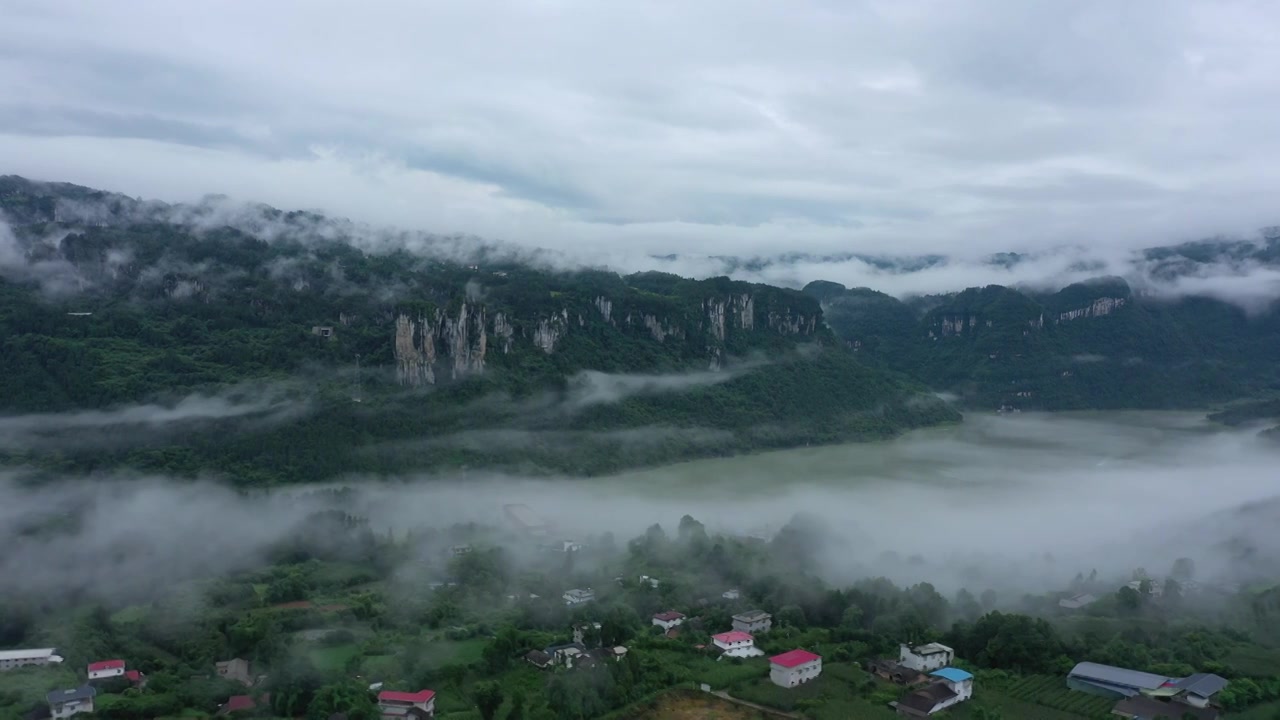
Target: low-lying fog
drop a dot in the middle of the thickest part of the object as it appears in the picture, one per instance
(1020, 502)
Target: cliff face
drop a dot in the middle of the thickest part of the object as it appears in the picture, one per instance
(435, 345)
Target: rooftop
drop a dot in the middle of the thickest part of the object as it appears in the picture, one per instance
(238, 702)
(106, 665)
(1202, 684)
(26, 654)
(1147, 709)
(792, 658)
(393, 696)
(752, 616)
(924, 699)
(84, 692)
(668, 616)
(733, 636)
(952, 674)
(931, 649)
(1118, 676)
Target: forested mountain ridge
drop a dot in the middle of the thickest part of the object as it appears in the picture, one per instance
(379, 354)
(1096, 344)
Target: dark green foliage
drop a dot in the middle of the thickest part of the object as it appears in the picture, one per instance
(176, 309)
(1089, 345)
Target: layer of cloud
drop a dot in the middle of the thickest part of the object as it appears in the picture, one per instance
(253, 407)
(974, 496)
(720, 128)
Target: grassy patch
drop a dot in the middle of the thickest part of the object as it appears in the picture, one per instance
(835, 695)
(1254, 660)
(1050, 691)
(444, 652)
(332, 659)
(1265, 711)
(28, 685)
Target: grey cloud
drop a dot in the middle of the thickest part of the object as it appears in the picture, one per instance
(252, 406)
(592, 387)
(819, 126)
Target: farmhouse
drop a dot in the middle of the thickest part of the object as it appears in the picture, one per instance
(65, 703)
(235, 669)
(578, 596)
(736, 643)
(753, 621)
(538, 659)
(794, 667)
(893, 672)
(406, 704)
(925, 657)
(106, 669)
(238, 703)
(1075, 602)
(669, 619)
(950, 686)
(565, 654)
(10, 659)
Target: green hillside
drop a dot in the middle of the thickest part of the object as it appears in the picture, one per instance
(412, 353)
(1095, 345)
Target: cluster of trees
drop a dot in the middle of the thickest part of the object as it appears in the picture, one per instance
(389, 603)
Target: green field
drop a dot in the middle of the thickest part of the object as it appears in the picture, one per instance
(333, 659)
(838, 690)
(1050, 691)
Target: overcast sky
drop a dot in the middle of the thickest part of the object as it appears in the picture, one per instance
(707, 126)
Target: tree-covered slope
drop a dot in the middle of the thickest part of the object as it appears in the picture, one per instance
(1090, 345)
(286, 346)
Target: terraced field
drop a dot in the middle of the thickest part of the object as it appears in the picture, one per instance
(1051, 691)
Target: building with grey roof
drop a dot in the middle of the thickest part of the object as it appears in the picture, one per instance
(1113, 682)
(1199, 688)
(65, 703)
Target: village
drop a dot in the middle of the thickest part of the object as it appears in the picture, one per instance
(580, 625)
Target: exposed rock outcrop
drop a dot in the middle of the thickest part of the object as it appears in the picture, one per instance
(549, 331)
(503, 332)
(1098, 308)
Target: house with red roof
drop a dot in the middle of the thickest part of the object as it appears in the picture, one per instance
(794, 667)
(669, 619)
(395, 705)
(736, 643)
(106, 669)
(242, 702)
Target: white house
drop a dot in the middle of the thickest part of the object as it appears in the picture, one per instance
(668, 620)
(398, 704)
(106, 669)
(10, 659)
(950, 686)
(731, 594)
(925, 657)
(653, 582)
(794, 667)
(578, 597)
(753, 621)
(736, 643)
(65, 703)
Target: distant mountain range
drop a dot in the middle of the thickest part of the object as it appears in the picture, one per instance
(282, 346)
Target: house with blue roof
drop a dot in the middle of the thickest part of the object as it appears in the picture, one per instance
(949, 686)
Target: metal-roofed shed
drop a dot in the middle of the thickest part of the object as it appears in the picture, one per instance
(1112, 681)
(1204, 685)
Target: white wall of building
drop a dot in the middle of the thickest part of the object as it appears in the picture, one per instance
(107, 673)
(791, 677)
(924, 662)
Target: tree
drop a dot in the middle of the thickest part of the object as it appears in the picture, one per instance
(347, 697)
(488, 697)
(1129, 599)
